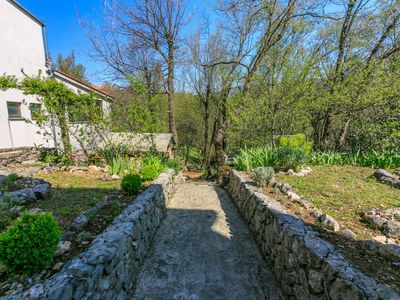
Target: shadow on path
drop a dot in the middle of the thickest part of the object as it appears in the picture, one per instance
(204, 250)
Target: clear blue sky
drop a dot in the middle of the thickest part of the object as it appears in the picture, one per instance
(64, 33)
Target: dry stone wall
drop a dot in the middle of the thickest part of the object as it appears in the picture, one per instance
(306, 266)
(110, 267)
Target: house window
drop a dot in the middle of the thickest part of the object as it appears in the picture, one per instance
(35, 110)
(14, 110)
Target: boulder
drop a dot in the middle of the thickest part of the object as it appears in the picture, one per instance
(41, 190)
(22, 195)
(63, 247)
(383, 173)
(391, 229)
(347, 233)
(330, 222)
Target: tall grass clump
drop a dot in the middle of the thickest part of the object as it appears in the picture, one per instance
(258, 157)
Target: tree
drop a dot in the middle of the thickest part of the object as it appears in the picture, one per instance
(69, 66)
(143, 28)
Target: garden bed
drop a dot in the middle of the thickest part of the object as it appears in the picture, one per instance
(343, 192)
(72, 194)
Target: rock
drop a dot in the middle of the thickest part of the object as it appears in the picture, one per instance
(330, 222)
(397, 172)
(347, 233)
(343, 289)
(57, 267)
(290, 172)
(315, 280)
(35, 211)
(380, 239)
(396, 264)
(29, 162)
(115, 177)
(63, 247)
(92, 169)
(383, 173)
(293, 196)
(391, 229)
(42, 190)
(22, 195)
(3, 179)
(316, 213)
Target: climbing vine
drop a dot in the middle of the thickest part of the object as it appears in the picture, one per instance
(63, 109)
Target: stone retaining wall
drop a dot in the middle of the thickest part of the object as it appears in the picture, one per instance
(18, 155)
(110, 267)
(306, 266)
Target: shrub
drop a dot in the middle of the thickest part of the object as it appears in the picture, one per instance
(152, 166)
(258, 157)
(149, 172)
(12, 177)
(131, 183)
(289, 158)
(84, 236)
(263, 176)
(294, 142)
(29, 245)
(113, 151)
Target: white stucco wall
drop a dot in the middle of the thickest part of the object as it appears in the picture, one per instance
(21, 47)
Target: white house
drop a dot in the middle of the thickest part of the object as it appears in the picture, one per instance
(23, 50)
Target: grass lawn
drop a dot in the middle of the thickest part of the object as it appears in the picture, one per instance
(343, 192)
(73, 193)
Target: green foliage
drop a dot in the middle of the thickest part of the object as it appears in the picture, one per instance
(174, 163)
(69, 66)
(12, 177)
(289, 158)
(119, 165)
(29, 245)
(84, 236)
(257, 157)
(294, 142)
(152, 166)
(131, 183)
(8, 82)
(112, 151)
(385, 159)
(263, 176)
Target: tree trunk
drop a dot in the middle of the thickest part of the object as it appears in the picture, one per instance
(207, 145)
(171, 91)
(343, 136)
(62, 121)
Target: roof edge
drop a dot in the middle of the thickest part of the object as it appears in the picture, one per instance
(61, 74)
(27, 12)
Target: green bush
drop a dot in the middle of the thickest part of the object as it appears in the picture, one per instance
(152, 166)
(263, 176)
(29, 245)
(149, 172)
(131, 183)
(258, 157)
(289, 158)
(295, 142)
(12, 177)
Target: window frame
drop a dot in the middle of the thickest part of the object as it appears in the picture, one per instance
(19, 117)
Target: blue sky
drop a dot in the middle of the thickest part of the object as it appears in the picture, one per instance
(65, 34)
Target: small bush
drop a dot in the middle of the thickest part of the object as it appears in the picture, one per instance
(149, 172)
(131, 183)
(29, 245)
(288, 158)
(263, 176)
(294, 142)
(12, 177)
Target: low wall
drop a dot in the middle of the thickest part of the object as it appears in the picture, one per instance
(306, 266)
(18, 155)
(110, 267)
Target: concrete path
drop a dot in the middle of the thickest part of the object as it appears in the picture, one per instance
(204, 250)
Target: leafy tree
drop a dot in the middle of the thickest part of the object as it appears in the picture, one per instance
(69, 66)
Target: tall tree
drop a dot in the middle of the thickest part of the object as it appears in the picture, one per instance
(148, 25)
(69, 66)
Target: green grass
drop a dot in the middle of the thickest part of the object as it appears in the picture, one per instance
(73, 193)
(343, 192)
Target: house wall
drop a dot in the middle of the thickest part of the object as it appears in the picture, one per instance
(21, 47)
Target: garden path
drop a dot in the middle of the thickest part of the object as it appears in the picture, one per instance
(204, 250)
